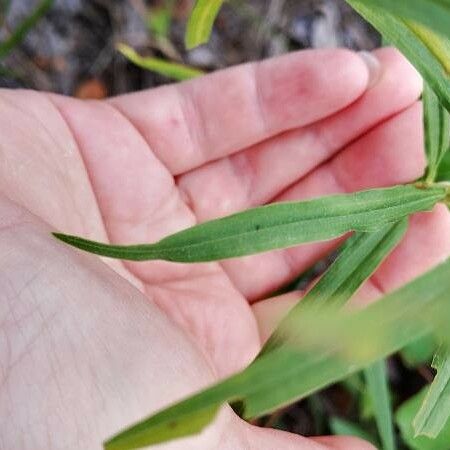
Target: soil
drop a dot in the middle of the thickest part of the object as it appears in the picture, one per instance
(75, 42)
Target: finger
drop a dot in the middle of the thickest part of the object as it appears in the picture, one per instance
(425, 245)
(258, 174)
(195, 122)
(268, 439)
(344, 443)
(392, 153)
(136, 195)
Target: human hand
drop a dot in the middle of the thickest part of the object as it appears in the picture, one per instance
(83, 352)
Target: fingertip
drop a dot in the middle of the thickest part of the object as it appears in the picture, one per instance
(400, 72)
(309, 85)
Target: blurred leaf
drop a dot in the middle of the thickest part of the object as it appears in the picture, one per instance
(435, 410)
(341, 427)
(429, 52)
(358, 259)
(22, 30)
(378, 389)
(404, 418)
(201, 22)
(276, 226)
(433, 13)
(325, 347)
(419, 352)
(167, 68)
(159, 21)
(437, 131)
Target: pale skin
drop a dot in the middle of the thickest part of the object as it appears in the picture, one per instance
(89, 346)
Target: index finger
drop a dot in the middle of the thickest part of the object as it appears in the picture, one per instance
(192, 123)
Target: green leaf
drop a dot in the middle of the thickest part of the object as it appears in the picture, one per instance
(378, 389)
(435, 410)
(433, 13)
(429, 52)
(277, 226)
(167, 68)
(419, 352)
(404, 418)
(325, 347)
(27, 24)
(358, 259)
(341, 427)
(201, 22)
(444, 168)
(437, 131)
(159, 19)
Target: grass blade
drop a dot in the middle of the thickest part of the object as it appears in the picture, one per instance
(437, 131)
(435, 409)
(277, 226)
(429, 52)
(326, 348)
(432, 13)
(21, 31)
(169, 69)
(378, 388)
(201, 22)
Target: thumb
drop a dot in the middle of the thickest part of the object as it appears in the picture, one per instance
(269, 439)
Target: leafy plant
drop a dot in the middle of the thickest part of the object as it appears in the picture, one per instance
(319, 342)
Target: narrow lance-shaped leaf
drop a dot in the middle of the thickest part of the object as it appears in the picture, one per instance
(358, 259)
(201, 22)
(435, 410)
(437, 131)
(432, 13)
(325, 348)
(365, 251)
(405, 417)
(378, 389)
(429, 52)
(169, 69)
(277, 226)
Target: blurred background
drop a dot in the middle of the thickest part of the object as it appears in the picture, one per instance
(70, 47)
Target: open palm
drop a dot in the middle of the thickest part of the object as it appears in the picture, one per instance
(83, 352)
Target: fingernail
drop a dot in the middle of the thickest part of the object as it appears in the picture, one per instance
(373, 65)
